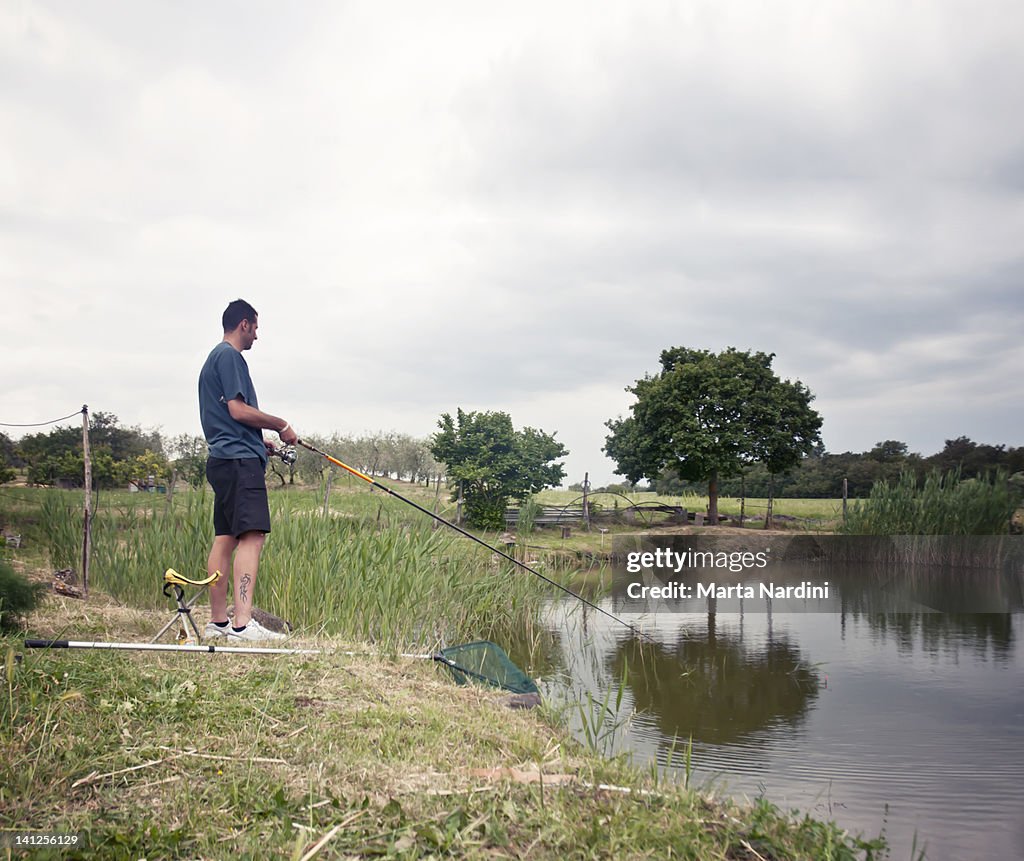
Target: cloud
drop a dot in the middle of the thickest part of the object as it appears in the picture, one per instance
(515, 208)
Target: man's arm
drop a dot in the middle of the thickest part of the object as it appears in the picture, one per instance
(241, 412)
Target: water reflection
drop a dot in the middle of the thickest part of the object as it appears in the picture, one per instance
(984, 636)
(911, 719)
(713, 687)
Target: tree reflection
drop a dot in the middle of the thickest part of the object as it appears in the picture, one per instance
(979, 634)
(714, 688)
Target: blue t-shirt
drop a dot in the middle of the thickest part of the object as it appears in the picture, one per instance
(224, 377)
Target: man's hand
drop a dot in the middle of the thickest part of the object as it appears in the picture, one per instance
(270, 447)
(241, 412)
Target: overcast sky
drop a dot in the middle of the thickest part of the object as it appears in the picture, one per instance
(515, 207)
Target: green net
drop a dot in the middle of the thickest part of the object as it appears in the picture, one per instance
(485, 662)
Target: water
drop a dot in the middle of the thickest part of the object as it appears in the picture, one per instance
(909, 723)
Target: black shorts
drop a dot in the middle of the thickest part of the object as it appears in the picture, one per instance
(239, 495)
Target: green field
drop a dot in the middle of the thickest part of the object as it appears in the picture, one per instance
(818, 512)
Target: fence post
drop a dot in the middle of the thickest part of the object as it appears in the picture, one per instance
(844, 501)
(743, 498)
(87, 526)
(327, 491)
(170, 488)
(768, 521)
(586, 506)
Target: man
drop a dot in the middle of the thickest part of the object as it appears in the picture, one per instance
(233, 424)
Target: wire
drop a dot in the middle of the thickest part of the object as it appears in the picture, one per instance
(41, 424)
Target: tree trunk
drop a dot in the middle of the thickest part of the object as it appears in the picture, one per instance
(713, 498)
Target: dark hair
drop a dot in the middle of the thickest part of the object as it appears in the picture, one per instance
(235, 313)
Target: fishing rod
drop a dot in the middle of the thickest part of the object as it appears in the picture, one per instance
(481, 542)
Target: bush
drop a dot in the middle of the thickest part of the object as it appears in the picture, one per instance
(18, 596)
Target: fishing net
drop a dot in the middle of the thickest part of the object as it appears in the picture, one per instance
(485, 662)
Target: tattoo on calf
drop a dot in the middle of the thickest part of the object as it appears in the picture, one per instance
(243, 588)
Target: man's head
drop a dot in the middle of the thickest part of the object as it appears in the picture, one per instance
(240, 321)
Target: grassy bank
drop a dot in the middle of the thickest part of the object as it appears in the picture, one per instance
(333, 756)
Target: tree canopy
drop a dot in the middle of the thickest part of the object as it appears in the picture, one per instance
(493, 462)
(708, 415)
(117, 454)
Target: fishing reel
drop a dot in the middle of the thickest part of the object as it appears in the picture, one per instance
(286, 453)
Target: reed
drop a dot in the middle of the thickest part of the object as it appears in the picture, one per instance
(384, 577)
(942, 505)
(602, 722)
(59, 528)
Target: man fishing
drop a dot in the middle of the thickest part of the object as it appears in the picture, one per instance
(233, 425)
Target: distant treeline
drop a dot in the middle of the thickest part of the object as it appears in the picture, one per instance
(120, 454)
(820, 475)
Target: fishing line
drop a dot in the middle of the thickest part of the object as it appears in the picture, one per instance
(470, 535)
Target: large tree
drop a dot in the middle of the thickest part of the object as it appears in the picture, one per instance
(707, 415)
(494, 462)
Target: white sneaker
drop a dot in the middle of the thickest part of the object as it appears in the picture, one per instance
(254, 632)
(212, 632)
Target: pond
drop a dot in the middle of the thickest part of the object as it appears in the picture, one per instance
(909, 723)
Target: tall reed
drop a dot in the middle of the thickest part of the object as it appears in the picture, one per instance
(943, 505)
(59, 528)
(384, 577)
(395, 582)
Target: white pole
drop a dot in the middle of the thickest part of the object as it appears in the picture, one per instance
(163, 647)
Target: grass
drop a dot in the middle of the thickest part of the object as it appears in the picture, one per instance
(218, 756)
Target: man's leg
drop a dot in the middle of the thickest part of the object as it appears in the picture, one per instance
(247, 563)
(220, 560)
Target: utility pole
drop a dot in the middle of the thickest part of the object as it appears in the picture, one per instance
(87, 531)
